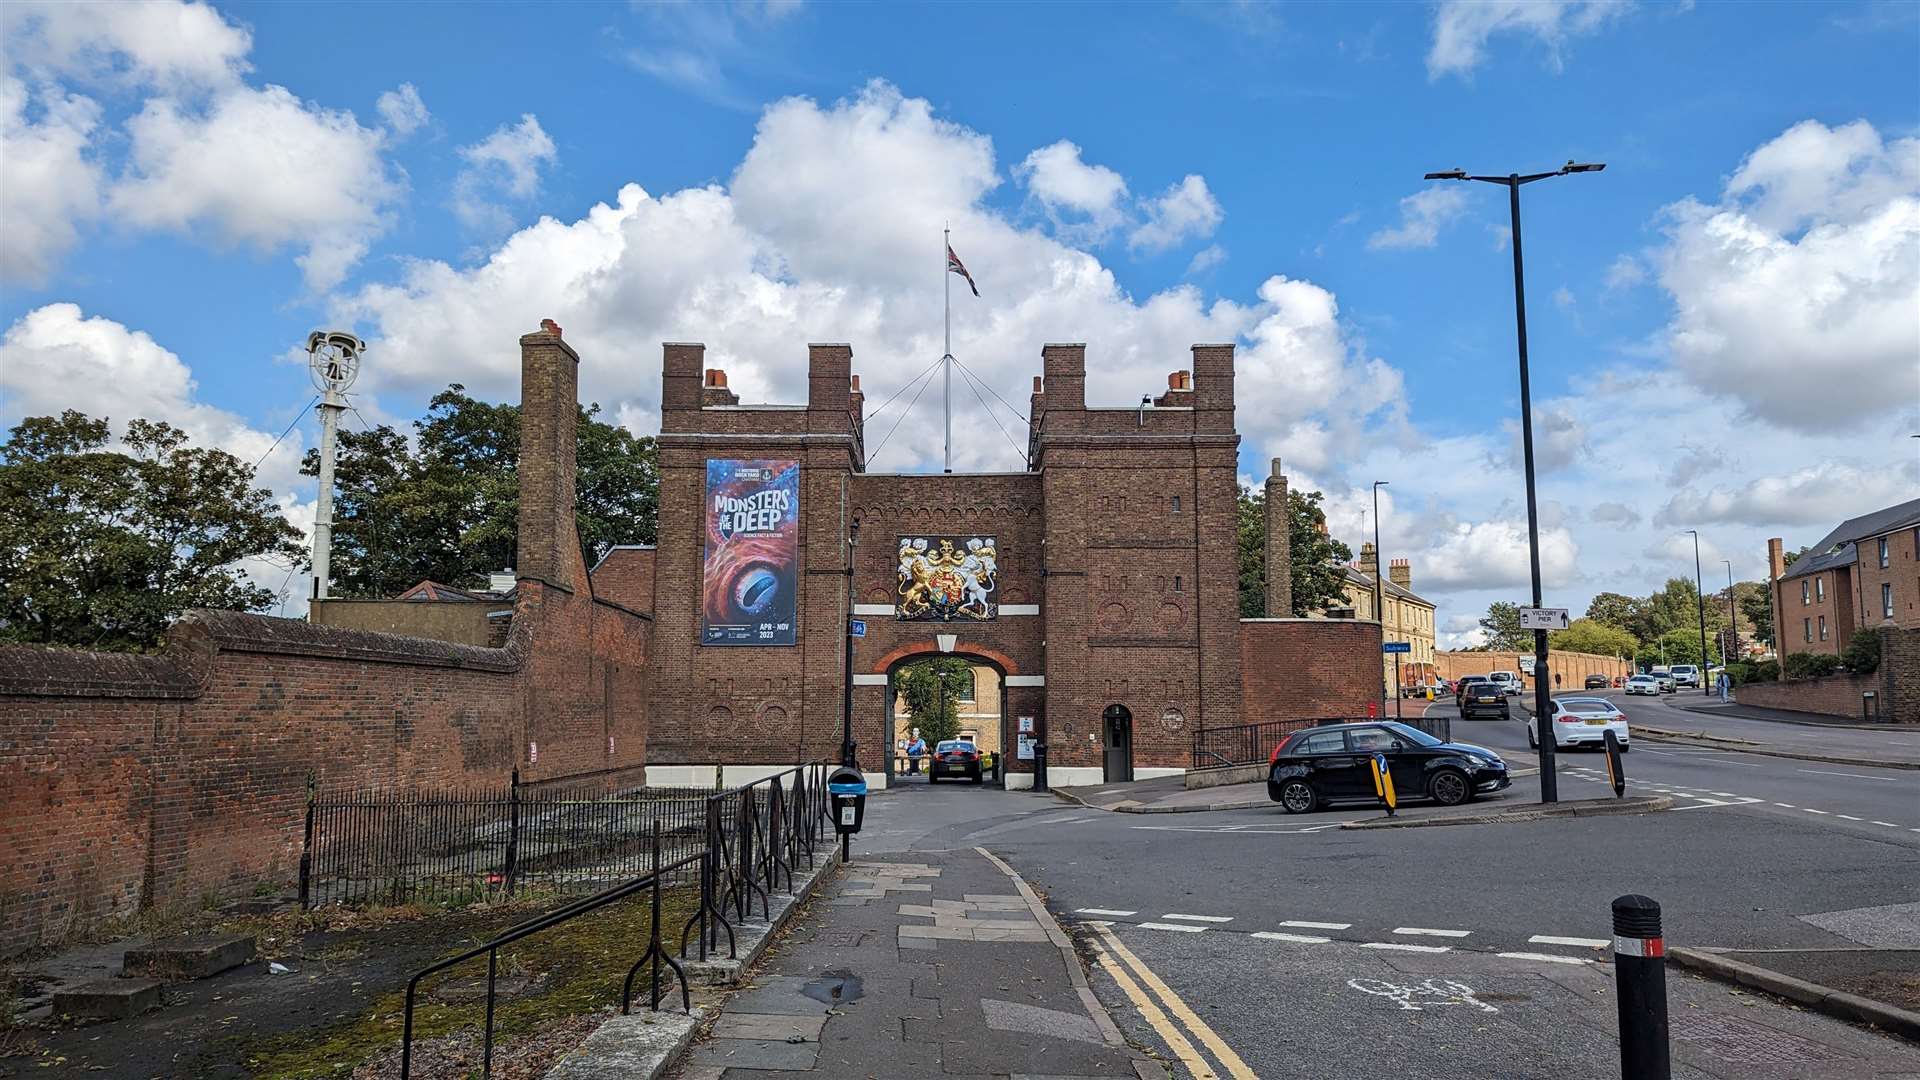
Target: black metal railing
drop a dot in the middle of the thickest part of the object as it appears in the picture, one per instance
(482, 843)
(1440, 727)
(655, 954)
(1243, 744)
(750, 841)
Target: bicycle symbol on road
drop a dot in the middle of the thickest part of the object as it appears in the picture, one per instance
(1430, 993)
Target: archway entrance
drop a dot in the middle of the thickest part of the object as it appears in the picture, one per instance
(1116, 762)
(940, 697)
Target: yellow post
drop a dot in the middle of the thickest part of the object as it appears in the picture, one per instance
(1383, 782)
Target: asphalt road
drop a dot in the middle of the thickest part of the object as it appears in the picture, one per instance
(1678, 712)
(1300, 944)
(1860, 800)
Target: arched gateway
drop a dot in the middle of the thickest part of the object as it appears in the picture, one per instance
(1105, 574)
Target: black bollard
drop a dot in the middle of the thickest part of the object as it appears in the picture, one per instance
(1039, 766)
(1640, 979)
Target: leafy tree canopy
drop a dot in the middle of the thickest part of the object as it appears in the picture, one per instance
(103, 547)
(933, 703)
(1678, 646)
(1592, 636)
(1615, 610)
(1502, 624)
(446, 505)
(1317, 558)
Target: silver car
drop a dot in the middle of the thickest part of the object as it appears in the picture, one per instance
(1643, 684)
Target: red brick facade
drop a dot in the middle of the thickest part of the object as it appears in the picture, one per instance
(132, 781)
(1118, 576)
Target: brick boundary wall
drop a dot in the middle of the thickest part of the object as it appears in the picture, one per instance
(1896, 682)
(135, 781)
(1574, 667)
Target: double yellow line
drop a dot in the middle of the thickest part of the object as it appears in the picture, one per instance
(1122, 965)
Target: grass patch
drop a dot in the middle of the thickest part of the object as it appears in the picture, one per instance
(574, 968)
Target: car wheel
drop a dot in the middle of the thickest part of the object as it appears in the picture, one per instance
(1624, 748)
(1533, 739)
(1298, 797)
(978, 777)
(1449, 787)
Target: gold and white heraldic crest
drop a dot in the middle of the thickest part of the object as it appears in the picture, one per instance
(947, 578)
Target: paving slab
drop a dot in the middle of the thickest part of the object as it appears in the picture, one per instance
(184, 959)
(108, 999)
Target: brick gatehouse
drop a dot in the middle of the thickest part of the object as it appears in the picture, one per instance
(1114, 607)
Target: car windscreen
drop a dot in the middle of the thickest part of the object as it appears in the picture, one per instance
(1412, 734)
(946, 746)
(1586, 705)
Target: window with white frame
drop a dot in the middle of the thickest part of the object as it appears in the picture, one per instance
(1883, 553)
(1806, 629)
(1886, 599)
(1806, 593)
(1820, 588)
(1823, 628)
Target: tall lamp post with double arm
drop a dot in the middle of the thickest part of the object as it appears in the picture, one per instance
(1543, 703)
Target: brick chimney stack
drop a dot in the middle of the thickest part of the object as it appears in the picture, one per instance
(713, 389)
(1369, 561)
(1776, 566)
(549, 548)
(1400, 572)
(1279, 546)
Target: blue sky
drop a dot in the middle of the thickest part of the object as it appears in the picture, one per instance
(1722, 322)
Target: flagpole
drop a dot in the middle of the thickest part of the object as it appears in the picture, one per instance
(946, 360)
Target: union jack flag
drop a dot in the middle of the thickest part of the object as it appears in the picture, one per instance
(955, 266)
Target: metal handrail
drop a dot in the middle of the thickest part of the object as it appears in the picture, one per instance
(1248, 744)
(491, 950)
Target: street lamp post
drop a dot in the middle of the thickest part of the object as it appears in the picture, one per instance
(1543, 703)
(1700, 603)
(1733, 624)
(848, 757)
(1379, 592)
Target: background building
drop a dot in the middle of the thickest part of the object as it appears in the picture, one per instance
(1407, 616)
(1864, 573)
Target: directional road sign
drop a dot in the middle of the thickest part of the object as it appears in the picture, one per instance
(1396, 646)
(1543, 618)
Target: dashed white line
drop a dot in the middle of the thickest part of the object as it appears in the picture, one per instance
(1847, 817)
(1811, 810)
(1400, 946)
(1426, 932)
(1854, 775)
(1546, 957)
(1888, 824)
(1198, 918)
(1172, 926)
(1786, 806)
(1304, 939)
(1304, 925)
(1725, 794)
(1102, 911)
(1584, 942)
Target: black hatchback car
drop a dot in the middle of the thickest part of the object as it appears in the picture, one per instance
(1329, 764)
(1483, 701)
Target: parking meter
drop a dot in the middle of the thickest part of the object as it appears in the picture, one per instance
(847, 795)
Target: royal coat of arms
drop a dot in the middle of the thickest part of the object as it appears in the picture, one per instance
(943, 578)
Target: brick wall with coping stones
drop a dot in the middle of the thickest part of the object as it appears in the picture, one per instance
(1896, 683)
(143, 780)
(625, 577)
(1301, 669)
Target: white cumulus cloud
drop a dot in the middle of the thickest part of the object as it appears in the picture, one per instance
(49, 182)
(505, 164)
(1058, 177)
(1805, 275)
(403, 110)
(1461, 28)
(1185, 210)
(161, 43)
(1422, 215)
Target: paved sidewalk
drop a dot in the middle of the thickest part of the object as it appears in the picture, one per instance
(934, 964)
(1166, 795)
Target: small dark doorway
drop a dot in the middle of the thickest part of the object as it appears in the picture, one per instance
(1116, 764)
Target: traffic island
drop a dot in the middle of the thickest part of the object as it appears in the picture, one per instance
(1820, 998)
(1746, 746)
(1470, 814)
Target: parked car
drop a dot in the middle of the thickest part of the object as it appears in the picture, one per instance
(1667, 683)
(1328, 764)
(1687, 675)
(1484, 701)
(1584, 721)
(1509, 682)
(955, 758)
(1461, 684)
(1644, 684)
(1596, 682)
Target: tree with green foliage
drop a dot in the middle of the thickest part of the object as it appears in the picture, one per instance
(1502, 626)
(1317, 558)
(1613, 609)
(1862, 654)
(933, 703)
(1755, 601)
(1593, 636)
(103, 547)
(1678, 646)
(446, 505)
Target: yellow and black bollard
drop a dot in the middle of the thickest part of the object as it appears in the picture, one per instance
(1383, 782)
(1616, 775)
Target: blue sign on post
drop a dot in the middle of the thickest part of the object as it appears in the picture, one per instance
(856, 628)
(1396, 646)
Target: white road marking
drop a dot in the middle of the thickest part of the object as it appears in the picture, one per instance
(1855, 775)
(1584, 942)
(1305, 939)
(1102, 911)
(1726, 794)
(1171, 926)
(1398, 946)
(1847, 817)
(1786, 806)
(1426, 932)
(1547, 957)
(1888, 824)
(1198, 918)
(1811, 810)
(1304, 925)
(1447, 992)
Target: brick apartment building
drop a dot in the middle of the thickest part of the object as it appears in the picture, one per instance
(1406, 615)
(1863, 574)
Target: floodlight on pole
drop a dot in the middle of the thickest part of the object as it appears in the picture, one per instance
(333, 360)
(1543, 703)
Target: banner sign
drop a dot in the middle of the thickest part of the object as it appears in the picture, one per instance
(749, 585)
(947, 578)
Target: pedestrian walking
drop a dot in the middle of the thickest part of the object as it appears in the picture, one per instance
(1726, 686)
(916, 750)
(1556, 682)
